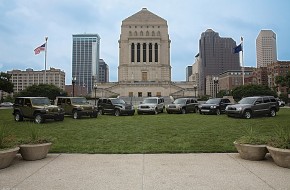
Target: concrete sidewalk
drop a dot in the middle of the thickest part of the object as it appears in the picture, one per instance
(144, 172)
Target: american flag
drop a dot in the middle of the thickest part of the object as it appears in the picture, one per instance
(39, 49)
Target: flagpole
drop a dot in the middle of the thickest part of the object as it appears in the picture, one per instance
(44, 81)
(242, 60)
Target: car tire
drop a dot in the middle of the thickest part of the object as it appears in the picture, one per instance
(139, 113)
(195, 110)
(155, 111)
(218, 112)
(272, 113)
(183, 111)
(247, 114)
(59, 118)
(18, 117)
(101, 112)
(38, 118)
(117, 112)
(94, 115)
(76, 115)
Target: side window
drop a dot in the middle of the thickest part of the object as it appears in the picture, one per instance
(272, 99)
(187, 101)
(259, 100)
(68, 101)
(266, 100)
(59, 101)
(109, 102)
(100, 101)
(27, 102)
(104, 101)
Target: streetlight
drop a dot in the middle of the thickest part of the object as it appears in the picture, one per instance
(73, 85)
(95, 87)
(215, 82)
(194, 88)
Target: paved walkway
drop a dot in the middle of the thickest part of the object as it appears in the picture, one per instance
(144, 172)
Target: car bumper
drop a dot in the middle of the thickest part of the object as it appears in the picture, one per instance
(232, 113)
(208, 111)
(127, 112)
(149, 110)
(52, 115)
(87, 112)
(173, 110)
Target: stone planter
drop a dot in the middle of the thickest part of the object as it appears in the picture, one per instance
(7, 156)
(34, 151)
(251, 152)
(280, 156)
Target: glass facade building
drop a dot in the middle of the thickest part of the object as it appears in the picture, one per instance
(85, 59)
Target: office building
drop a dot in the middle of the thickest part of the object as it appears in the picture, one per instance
(29, 77)
(266, 48)
(103, 71)
(85, 59)
(216, 56)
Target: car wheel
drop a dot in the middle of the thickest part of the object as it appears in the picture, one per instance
(18, 117)
(195, 110)
(38, 118)
(117, 112)
(101, 112)
(94, 115)
(218, 112)
(139, 113)
(155, 111)
(76, 115)
(248, 114)
(200, 112)
(183, 111)
(272, 113)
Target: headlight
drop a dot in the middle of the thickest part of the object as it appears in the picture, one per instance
(212, 107)
(239, 109)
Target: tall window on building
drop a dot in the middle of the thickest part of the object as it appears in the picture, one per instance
(156, 52)
(139, 94)
(144, 76)
(138, 52)
(144, 52)
(132, 52)
(150, 52)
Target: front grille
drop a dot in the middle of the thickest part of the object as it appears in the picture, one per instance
(145, 107)
(172, 106)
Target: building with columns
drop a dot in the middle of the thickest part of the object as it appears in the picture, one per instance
(144, 48)
(144, 61)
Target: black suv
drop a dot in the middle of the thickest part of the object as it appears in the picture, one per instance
(37, 108)
(183, 105)
(214, 106)
(252, 106)
(115, 106)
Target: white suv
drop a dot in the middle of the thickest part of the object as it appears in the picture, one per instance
(153, 105)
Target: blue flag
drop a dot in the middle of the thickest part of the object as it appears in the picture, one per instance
(238, 48)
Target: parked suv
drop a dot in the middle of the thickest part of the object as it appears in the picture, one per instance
(153, 105)
(76, 106)
(214, 106)
(183, 105)
(115, 106)
(38, 108)
(252, 106)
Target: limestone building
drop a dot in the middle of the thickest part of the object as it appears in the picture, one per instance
(144, 49)
(144, 61)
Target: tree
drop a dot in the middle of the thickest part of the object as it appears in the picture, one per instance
(5, 84)
(43, 90)
(284, 81)
(252, 90)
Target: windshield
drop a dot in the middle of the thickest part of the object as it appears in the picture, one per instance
(150, 101)
(40, 101)
(80, 101)
(213, 101)
(179, 101)
(247, 101)
(118, 101)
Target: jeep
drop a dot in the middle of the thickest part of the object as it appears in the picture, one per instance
(214, 106)
(76, 106)
(37, 108)
(115, 106)
(253, 106)
(153, 105)
(183, 106)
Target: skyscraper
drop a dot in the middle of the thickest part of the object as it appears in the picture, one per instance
(216, 55)
(266, 48)
(103, 71)
(85, 59)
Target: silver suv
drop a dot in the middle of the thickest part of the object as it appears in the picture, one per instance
(252, 106)
(153, 105)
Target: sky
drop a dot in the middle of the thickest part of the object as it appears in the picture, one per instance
(24, 24)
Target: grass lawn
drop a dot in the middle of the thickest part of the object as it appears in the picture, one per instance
(163, 133)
